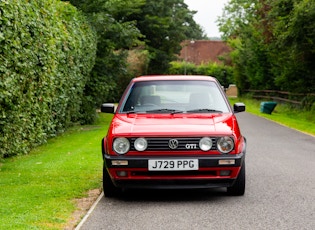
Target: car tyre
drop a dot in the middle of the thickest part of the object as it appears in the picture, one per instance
(109, 189)
(238, 188)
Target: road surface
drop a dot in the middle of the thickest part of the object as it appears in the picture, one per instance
(280, 191)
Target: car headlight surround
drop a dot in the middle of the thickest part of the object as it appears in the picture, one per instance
(205, 144)
(140, 144)
(225, 144)
(121, 145)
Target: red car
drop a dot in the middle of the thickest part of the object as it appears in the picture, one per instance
(173, 132)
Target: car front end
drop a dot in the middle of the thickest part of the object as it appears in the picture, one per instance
(176, 143)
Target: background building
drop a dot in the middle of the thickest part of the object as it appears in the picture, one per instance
(204, 51)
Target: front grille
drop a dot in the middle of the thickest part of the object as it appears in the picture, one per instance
(162, 144)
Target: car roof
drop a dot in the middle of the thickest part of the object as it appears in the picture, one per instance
(174, 77)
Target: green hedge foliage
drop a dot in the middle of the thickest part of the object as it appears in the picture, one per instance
(223, 73)
(47, 50)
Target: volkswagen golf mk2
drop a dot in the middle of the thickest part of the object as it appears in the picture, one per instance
(173, 132)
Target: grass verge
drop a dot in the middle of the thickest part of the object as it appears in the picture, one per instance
(284, 114)
(38, 190)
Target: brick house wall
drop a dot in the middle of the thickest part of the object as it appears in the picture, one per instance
(203, 51)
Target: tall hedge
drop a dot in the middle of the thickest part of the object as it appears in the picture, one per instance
(47, 50)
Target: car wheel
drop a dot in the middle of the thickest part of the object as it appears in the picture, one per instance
(110, 190)
(238, 188)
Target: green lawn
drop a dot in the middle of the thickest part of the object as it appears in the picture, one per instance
(38, 190)
(295, 118)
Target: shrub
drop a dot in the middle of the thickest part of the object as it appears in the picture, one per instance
(223, 73)
(46, 53)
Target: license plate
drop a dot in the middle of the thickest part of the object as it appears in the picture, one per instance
(173, 165)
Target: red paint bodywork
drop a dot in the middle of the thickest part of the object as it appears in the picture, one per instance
(179, 125)
(172, 125)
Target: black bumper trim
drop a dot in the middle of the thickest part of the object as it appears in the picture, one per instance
(204, 161)
(174, 184)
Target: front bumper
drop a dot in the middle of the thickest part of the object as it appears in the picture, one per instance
(210, 174)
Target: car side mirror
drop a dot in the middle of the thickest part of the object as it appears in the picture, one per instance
(239, 107)
(107, 108)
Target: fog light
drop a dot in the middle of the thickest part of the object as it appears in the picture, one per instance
(141, 144)
(205, 143)
(119, 163)
(121, 173)
(226, 162)
(225, 172)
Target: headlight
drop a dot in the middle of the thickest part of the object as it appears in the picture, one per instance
(205, 143)
(141, 144)
(121, 145)
(225, 144)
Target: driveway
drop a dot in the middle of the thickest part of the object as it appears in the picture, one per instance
(280, 191)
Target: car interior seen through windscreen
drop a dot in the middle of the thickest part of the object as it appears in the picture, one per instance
(175, 97)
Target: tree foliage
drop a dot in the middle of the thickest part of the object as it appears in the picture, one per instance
(165, 24)
(293, 44)
(158, 27)
(115, 36)
(273, 43)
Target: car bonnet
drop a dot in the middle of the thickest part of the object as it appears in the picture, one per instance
(168, 124)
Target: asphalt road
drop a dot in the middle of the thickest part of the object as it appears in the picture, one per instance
(280, 192)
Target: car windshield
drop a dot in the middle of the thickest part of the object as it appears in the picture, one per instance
(177, 96)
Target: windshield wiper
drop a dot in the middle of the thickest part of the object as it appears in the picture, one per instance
(134, 112)
(171, 111)
(204, 111)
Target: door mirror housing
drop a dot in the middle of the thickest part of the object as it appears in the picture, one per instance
(239, 107)
(108, 108)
